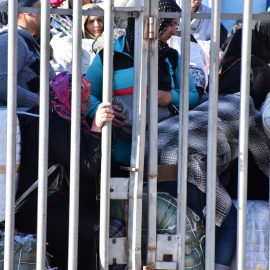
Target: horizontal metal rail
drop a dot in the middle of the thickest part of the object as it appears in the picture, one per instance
(133, 12)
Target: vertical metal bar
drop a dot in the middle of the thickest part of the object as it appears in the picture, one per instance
(183, 133)
(243, 136)
(106, 138)
(138, 139)
(43, 135)
(212, 136)
(11, 133)
(75, 136)
(153, 134)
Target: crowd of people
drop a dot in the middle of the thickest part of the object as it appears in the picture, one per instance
(94, 113)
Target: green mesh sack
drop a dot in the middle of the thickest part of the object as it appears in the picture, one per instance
(24, 251)
(166, 224)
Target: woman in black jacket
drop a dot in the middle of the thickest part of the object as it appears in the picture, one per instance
(230, 77)
(59, 152)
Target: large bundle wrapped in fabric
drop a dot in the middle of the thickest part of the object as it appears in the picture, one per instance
(3, 152)
(24, 251)
(166, 224)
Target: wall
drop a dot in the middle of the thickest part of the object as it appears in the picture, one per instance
(236, 6)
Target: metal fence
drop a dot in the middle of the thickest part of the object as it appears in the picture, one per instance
(146, 14)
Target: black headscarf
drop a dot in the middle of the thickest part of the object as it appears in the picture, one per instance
(259, 75)
(164, 51)
(166, 6)
(260, 43)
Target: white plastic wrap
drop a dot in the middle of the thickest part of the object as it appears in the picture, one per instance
(265, 111)
(3, 152)
(257, 235)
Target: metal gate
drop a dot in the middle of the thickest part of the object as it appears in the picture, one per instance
(146, 15)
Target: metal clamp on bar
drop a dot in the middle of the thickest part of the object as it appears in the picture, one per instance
(167, 246)
(117, 249)
(119, 188)
(153, 28)
(130, 169)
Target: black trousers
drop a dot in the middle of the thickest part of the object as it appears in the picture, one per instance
(57, 230)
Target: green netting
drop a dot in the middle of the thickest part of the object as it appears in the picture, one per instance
(166, 224)
(24, 251)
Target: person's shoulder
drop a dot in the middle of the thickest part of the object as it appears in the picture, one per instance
(204, 9)
(4, 33)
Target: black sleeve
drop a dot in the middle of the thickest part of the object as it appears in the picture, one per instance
(59, 148)
(260, 84)
(223, 35)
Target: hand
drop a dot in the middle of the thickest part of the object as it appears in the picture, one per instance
(164, 98)
(103, 114)
(116, 124)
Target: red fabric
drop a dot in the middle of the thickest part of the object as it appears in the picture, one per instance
(56, 3)
(125, 91)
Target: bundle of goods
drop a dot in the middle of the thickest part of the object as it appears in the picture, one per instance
(166, 224)
(3, 152)
(24, 252)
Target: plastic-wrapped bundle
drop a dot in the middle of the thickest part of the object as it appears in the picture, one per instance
(166, 224)
(257, 235)
(24, 251)
(3, 152)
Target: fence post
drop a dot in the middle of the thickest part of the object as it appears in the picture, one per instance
(243, 136)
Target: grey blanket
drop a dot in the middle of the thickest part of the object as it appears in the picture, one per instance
(227, 145)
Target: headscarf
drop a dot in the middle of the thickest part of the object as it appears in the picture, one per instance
(56, 3)
(21, 3)
(164, 51)
(260, 43)
(262, 34)
(60, 96)
(166, 6)
(85, 33)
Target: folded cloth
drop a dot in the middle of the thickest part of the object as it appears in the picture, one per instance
(117, 228)
(227, 145)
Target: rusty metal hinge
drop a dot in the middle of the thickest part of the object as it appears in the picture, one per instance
(153, 28)
(150, 28)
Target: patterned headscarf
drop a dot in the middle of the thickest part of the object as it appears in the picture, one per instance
(164, 51)
(21, 3)
(60, 96)
(166, 6)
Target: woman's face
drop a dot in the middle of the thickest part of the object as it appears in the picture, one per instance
(94, 26)
(171, 31)
(32, 20)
